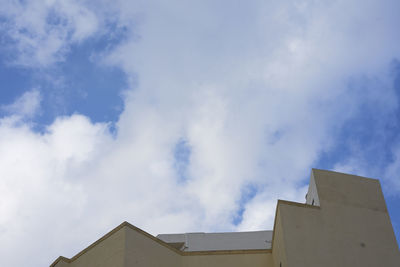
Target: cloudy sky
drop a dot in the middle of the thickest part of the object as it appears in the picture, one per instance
(184, 116)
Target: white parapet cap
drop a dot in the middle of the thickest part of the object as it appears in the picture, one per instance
(219, 241)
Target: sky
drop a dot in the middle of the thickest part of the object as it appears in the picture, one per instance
(186, 116)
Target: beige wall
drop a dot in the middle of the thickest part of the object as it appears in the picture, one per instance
(228, 260)
(128, 246)
(279, 249)
(108, 252)
(350, 228)
(144, 251)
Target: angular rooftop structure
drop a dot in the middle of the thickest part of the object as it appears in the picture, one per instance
(344, 222)
(219, 241)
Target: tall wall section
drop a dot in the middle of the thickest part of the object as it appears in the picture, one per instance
(348, 225)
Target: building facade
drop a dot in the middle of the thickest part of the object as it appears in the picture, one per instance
(344, 222)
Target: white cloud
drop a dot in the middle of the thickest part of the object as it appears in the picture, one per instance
(39, 190)
(43, 31)
(27, 105)
(256, 90)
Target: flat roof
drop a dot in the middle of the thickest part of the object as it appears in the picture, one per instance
(219, 241)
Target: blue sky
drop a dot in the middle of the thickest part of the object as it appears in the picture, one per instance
(193, 116)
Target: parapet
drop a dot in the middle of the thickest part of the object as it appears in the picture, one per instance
(219, 241)
(327, 187)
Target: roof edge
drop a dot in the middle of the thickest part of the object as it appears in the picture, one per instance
(60, 258)
(69, 260)
(226, 252)
(159, 241)
(347, 174)
(289, 203)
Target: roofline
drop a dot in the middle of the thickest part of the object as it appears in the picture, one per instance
(225, 252)
(185, 253)
(189, 233)
(182, 253)
(290, 203)
(347, 174)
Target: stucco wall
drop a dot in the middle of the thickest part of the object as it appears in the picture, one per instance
(107, 253)
(128, 246)
(351, 227)
(228, 260)
(279, 249)
(144, 251)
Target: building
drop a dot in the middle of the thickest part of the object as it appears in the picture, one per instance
(344, 222)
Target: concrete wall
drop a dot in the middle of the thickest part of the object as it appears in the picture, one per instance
(279, 249)
(143, 250)
(128, 246)
(228, 260)
(350, 228)
(312, 197)
(108, 252)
